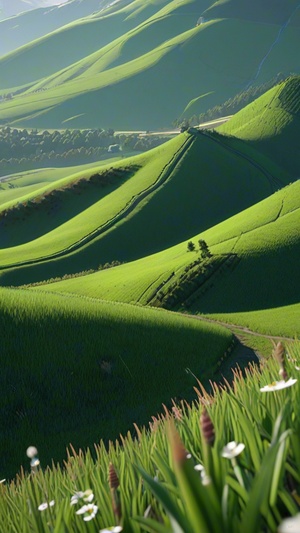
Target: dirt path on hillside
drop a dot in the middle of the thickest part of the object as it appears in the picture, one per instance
(242, 355)
(242, 329)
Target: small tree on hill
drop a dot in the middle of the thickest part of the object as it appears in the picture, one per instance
(190, 246)
(204, 250)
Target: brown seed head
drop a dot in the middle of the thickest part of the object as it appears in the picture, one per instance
(112, 477)
(207, 428)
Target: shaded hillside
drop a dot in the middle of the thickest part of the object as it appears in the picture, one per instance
(95, 374)
(272, 124)
(184, 66)
(264, 11)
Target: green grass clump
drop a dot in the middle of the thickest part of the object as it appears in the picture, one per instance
(77, 369)
(146, 481)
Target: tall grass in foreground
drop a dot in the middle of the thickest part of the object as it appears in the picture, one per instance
(230, 462)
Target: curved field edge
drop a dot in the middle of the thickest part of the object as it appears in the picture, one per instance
(70, 362)
(284, 321)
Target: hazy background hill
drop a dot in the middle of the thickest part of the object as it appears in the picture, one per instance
(9, 8)
(38, 18)
(178, 64)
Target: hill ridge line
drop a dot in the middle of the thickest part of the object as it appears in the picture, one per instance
(129, 207)
(274, 182)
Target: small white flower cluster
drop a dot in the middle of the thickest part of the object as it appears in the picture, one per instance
(89, 510)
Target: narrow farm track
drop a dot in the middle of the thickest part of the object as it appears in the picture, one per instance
(242, 329)
(129, 207)
(275, 183)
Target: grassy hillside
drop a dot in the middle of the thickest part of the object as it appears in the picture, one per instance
(271, 124)
(83, 377)
(265, 242)
(155, 201)
(277, 321)
(268, 11)
(181, 64)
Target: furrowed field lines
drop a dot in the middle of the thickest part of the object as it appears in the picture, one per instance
(77, 369)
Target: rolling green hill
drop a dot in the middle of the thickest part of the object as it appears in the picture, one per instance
(271, 124)
(264, 242)
(185, 67)
(165, 195)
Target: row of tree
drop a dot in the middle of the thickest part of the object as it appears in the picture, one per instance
(28, 148)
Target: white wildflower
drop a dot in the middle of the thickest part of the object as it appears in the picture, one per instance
(290, 525)
(232, 449)
(45, 505)
(278, 385)
(204, 477)
(89, 510)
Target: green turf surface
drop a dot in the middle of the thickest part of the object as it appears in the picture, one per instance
(79, 368)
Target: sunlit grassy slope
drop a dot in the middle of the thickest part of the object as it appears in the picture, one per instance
(77, 370)
(195, 182)
(22, 184)
(272, 123)
(265, 239)
(157, 46)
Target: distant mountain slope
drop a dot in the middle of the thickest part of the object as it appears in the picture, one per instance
(96, 81)
(78, 39)
(21, 29)
(272, 124)
(263, 11)
(14, 7)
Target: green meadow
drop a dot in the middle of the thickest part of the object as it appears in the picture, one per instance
(134, 291)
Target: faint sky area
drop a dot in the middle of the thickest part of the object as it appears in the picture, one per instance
(9, 8)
